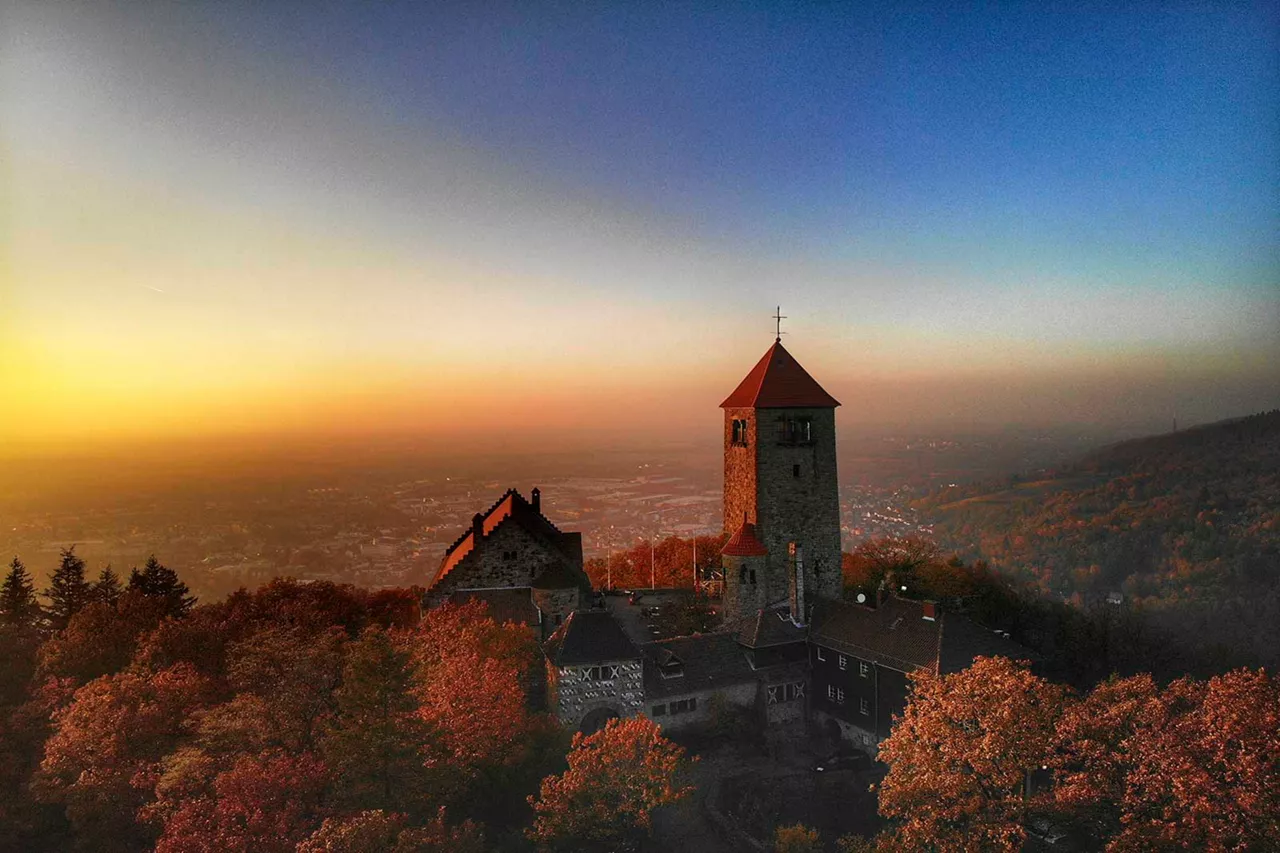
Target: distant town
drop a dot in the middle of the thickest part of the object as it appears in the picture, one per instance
(390, 526)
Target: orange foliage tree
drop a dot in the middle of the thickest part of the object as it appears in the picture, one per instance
(959, 757)
(605, 800)
(102, 759)
(262, 804)
(1195, 766)
(376, 831)
(471, 678)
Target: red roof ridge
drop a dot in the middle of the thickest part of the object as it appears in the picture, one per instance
(744, 543)
(778, 381)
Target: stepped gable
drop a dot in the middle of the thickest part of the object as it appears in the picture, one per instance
(771, 626)
(587, 637)
(779, 382)
(744, 543)
(512, 505)
(897, 634)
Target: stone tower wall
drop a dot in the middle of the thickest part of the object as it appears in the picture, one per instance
(743, 599)
(804, 508)
(739, 471)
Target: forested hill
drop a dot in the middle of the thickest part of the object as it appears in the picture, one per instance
(1186, 526)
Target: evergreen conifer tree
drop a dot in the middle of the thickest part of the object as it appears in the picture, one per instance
(376, 745)
(68, 591)
(159, 581)
(18, 605)
(107, 588)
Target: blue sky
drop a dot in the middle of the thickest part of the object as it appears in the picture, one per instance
(974, 198)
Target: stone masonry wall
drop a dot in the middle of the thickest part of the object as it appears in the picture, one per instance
(492, 568)
(805, 508)
(575, 695)
(739, 471)
(743, 599)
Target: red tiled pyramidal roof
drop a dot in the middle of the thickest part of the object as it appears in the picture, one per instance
(779, 382)
(744, 543)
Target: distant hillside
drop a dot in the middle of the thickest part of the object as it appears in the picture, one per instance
(1186, 526)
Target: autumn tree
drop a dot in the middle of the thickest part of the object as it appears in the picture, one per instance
(605, 800)
(376, 831)
(796, 839)
(267, 803)
(283, 679)
(99, 639)
(159, 581)
(1096, 744)
(874, 561)
(68, 591)
(471, 678)
(1193, 766)
(376, 744)
(959, 756)
(105, 751)
(18, 605)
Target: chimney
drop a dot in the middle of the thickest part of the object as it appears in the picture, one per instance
(930, 611)
(535, 499)
(477, 530)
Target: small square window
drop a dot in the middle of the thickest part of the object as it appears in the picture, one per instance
(831, 692)
(844, 662)
(863, 669)
(864, 707)
(839, 696)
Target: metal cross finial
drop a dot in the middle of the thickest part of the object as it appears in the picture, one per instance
(778, 318)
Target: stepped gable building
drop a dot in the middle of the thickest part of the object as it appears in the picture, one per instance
(513, 558)
(781, 498)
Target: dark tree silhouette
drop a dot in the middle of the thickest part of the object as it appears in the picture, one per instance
(159, 581)
(68, 591)
(18, 605)
(107, 588)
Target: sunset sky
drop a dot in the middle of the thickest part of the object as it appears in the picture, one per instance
(575, 219)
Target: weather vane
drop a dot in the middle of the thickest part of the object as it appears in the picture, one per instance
(778, 318)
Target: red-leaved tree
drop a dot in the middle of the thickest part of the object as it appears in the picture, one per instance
(605, 800)
(959, 757)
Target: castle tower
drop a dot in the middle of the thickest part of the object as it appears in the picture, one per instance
(780, 478)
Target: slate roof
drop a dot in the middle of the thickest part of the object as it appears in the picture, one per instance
(779, 382)
(897, 635)
(708, 662)
(771, 626)
(512, 505)
(505, 605)
(589, 636)
(744, 543)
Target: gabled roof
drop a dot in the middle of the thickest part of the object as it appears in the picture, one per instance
(589, 636)
(779, 382)
(512, 505)
(744, 543)
(771, 626)
(708, 661)
(897, 635)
